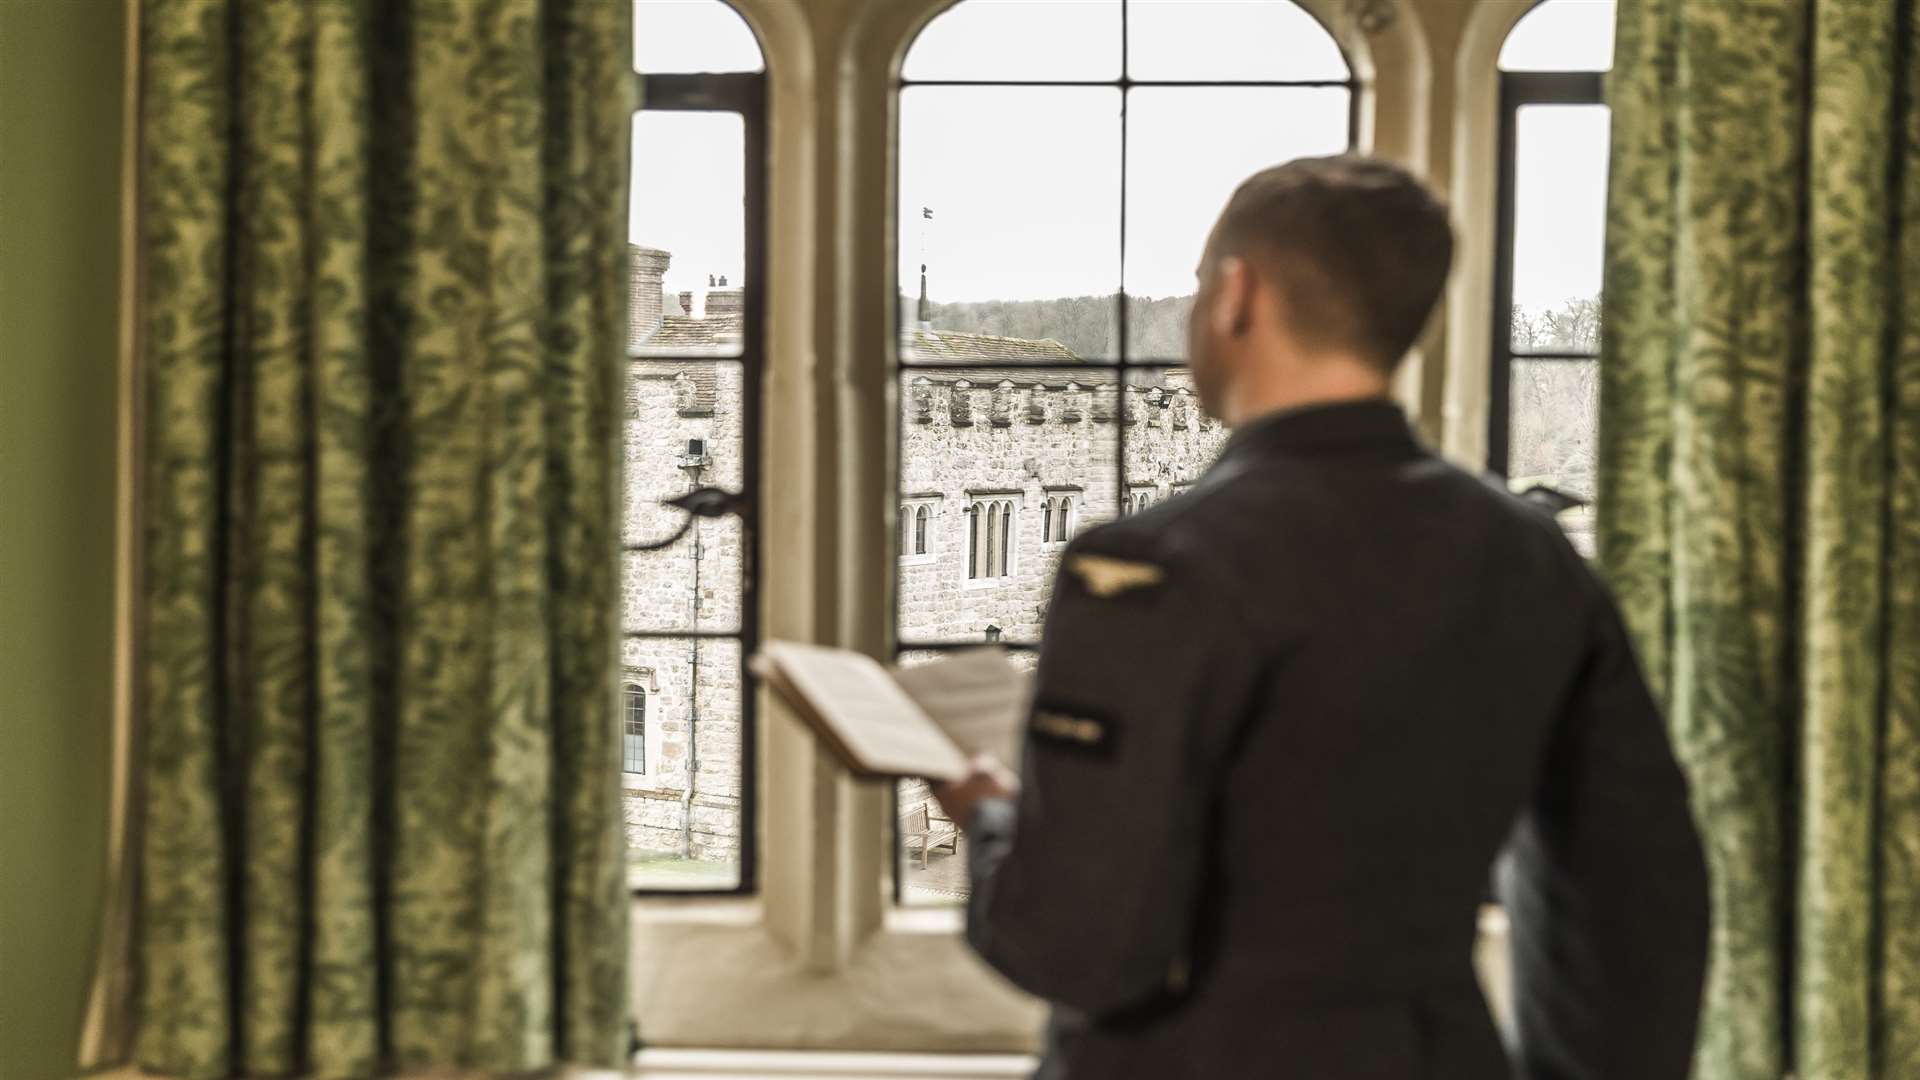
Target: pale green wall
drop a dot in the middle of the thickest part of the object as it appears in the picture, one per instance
(60, 106)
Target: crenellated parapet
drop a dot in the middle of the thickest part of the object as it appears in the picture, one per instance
(968, 399)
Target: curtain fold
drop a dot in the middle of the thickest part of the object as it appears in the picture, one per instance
(1760, 497)
(383, 245)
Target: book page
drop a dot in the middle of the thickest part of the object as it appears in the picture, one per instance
(977, 697)
(854, 702)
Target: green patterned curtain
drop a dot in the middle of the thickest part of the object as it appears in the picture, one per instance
(1760, 497)
(383, 248)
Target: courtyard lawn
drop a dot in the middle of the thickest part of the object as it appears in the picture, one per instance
(659, 870)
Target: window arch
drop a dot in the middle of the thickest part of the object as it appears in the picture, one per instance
(1056, 522)
(1006, 539)
(990, 538)
(973, 541)
(1561, 35)
(696, 278)
(633, 750)
(922, 518)
(1543, 391)
(996, 548)
(689, 37)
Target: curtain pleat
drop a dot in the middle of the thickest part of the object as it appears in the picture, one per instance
(1852, 234)
(1896, 1016)
(350, 635)
(384, 321)
(1756, 497)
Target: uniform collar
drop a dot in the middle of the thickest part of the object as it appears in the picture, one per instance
(1369, 422)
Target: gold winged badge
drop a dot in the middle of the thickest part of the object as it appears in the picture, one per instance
(1106, 577)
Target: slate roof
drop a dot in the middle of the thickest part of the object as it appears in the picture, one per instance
(686, 335)
(1096, 375)
(953, 347)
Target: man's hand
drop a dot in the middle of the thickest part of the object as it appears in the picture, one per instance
(986, 778)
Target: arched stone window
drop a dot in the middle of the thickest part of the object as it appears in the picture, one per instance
(990, 539)
(996, 549)
(1056, 522)
(973, 541)
(1543, 391)
(922, 517)
(697, 282)
(1066, 277)
(1006, 539)
(633, 749)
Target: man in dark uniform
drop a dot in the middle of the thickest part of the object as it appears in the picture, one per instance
(1285, 724)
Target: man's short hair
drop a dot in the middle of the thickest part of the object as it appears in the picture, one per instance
(1358, 248)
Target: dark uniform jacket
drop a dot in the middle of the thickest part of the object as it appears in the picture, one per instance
(1283, 727)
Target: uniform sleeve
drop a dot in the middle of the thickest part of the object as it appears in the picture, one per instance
(1084, 891)
(1606, 887)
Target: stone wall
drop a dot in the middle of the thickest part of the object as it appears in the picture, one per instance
(968, 437)
(693, 686)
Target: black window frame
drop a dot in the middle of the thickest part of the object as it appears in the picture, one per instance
(1122, 366)
(745, 94)
(1519, 89)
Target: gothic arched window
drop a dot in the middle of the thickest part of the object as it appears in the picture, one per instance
(922, 517)
(974, 526)
(633, 750)
(1059, 166)
(996, 547)
(696, 276)
(1543, 398)
(1006, 539)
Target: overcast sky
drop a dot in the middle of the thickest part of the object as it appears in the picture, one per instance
(1024, 182)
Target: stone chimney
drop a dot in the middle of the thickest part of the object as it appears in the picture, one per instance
(646, 269)
(723, 300)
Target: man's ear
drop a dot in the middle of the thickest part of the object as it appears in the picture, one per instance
(1232, 309)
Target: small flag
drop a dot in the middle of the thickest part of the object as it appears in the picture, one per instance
(927, 212)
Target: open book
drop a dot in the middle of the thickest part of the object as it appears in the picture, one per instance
(926, 720)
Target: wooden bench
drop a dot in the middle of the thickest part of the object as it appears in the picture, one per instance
(924, 834)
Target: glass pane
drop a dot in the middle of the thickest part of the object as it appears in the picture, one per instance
(1555, 417)
(683, 431)
(687, 223)
(1170, 439)
(679, 36)
(1238, 40)
(997, 455)
(1022, 40)
(1187, 150)
(1010, 198)
(693, 737)
(1562, 35)
(931, 853)
(1559, 226)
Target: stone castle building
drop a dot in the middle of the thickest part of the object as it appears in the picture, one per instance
(999, 466)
